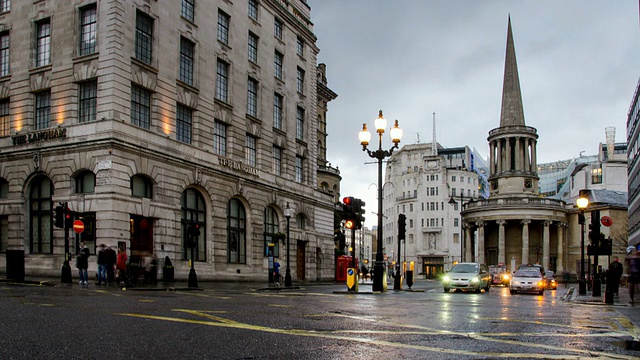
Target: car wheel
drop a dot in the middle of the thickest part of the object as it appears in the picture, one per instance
(512, 292)
(478, 289)
(446, 289)
(487, 288)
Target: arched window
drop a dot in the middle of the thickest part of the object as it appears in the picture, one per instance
(301, 221)
(86, 182)
(41, 228)
(141, 186)
(4, 189)
(271, 230)
(236, 235)
(193, 213)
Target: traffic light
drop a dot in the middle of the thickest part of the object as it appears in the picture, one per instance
(402, 227)
(195, 231)
(605, 246)
(358, 210)
(58, 216)
(348, 214)
(594, 227)
(68, 218)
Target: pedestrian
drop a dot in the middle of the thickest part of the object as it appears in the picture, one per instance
(112, 258)
(82, 263)
(633, 270)
(614, 274)
(276, 272)
(121, 266)
(102, 265)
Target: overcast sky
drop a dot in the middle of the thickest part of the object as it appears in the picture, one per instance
(578, 63)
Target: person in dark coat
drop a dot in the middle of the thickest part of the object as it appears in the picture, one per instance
(102, 265)
(615, 273)
(112, 258)
(82, 263)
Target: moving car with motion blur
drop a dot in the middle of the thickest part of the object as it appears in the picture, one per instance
(527, 280)
(499, 275)
(550, 280)
(467, 277)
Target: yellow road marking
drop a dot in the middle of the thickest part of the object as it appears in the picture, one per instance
(146, 301)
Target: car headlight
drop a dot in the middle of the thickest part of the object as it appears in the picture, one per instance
(540, 283)
(475, 280)
(505, 276)
(446, 278)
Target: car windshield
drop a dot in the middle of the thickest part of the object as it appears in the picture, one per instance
(527, 273)
(465, 268)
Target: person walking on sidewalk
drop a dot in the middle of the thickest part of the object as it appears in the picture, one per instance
(121, 266)
(614, 274)
(82, 263)
(633, 270)
(103, 260)
(112, 258)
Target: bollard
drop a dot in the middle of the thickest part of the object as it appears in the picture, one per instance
(608, 294)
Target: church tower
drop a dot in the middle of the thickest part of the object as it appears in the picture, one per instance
(512, 146)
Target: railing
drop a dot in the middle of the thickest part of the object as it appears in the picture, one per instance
(514, 202)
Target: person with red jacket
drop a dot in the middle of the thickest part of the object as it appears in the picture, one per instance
(121, 265)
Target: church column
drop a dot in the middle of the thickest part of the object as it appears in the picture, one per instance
(499, 163)
(507, 164)
(480, 255)
(501, 254)
(545, 243)
(560, 261)
(518, 154)
(467, 244)
(525, 241)
(534, 161)
(492, 159)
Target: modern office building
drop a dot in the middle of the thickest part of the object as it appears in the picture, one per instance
(633, 174)
(151, 118)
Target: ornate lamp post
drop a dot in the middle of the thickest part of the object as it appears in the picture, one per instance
(287, 277)
(582, 203)
(379, 274)
(453, 201)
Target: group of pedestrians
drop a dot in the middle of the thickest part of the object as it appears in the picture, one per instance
(616, 271)
(108, 264)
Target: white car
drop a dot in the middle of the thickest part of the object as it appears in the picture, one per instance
(467, 276)
(527, 281)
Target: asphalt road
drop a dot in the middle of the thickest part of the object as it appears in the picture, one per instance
(312, 322)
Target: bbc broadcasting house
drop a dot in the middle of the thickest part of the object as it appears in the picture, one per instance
(148, 117)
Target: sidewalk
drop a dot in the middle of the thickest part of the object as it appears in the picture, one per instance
(622, 299)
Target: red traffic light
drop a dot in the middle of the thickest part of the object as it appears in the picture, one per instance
(347, 200)
(349, 224)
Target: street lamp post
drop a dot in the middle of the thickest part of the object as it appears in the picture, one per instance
(287, 277)
(364, 137)
(453, 201)
(582, 203)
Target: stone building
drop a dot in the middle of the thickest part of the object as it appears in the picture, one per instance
(149, 118)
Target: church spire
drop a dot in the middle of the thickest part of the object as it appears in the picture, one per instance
(512, 111)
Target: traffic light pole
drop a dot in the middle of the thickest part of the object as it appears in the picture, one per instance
(595, 221)
(65, 274)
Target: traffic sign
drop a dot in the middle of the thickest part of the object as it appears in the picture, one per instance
(606, 221)
(78, 226)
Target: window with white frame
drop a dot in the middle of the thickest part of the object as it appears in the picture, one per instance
(250, 150)
(278, 102)
(252, 97)
(253, 47)
(186, 61)
(187, 9)
(277, 160)
(222, 81)
(223, 27)
(277, 64)
(300, 81)
(184, 121)
(277, 28)
(144, 37)
(220, 138)
(140, 107)
(299, 169)
(5, 5)
(300, 46)
(43, 42)
(88, 29)
(253, 9)
(300, 123)
(88, 99)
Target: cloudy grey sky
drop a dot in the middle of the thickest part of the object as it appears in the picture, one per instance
(578, 63)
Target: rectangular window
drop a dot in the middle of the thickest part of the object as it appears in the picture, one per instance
(43, 109)
(277, 29)
(187, 9)
(252, 97)
(253, 9)
(184, 120)
(223, 27)
(140, 107)
(300, 46)
(596, 175)
(277, 160)
(4, 54)
(5, 118)
(277, 111)
(88, 99)
(250, 150)
(144, 37)
(88, 29)
(455, 222)
(300, 81)
(43, 43)
(299, 169)
(222, 81)
(5, 5)
(253, 47)
(300, 124)
(186, 61)
(220, 138)
(277, 64)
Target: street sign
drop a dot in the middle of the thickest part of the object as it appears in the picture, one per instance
(606, 221)
(78, 226)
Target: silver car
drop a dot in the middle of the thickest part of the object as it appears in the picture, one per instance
(527, 281)
(467, 276)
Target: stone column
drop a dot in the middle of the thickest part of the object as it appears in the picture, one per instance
(545, 243)
(507, 165)
(480, 255)
(467, 244)
(499, 156)
(534, 160)
(562, 227)
(492, 158)
(501, 254)
(527, 164)
(519, 164)
(525, 241)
